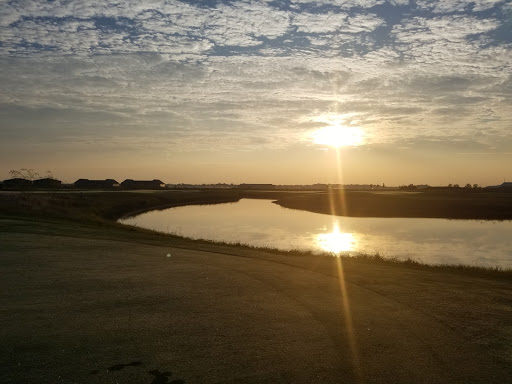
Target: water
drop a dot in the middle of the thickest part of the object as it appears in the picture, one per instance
(262, 223)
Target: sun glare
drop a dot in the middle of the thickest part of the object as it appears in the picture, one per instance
(338, 136)
(336, 241)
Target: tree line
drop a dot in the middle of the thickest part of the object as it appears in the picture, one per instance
(29, 174)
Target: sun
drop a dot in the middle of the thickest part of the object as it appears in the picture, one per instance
(338, 136)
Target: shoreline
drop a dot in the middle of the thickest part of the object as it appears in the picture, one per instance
(376, 256)
(107, 209)
(166, 206)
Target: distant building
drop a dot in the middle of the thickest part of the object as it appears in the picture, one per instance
(182, 186)
(143, 184)
(256, 186)
(17, 183)
(47, 183)
(95, 184)
(505, 185)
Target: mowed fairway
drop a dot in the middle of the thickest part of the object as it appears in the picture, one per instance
(78, 309)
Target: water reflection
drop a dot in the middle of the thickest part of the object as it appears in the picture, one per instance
(260, 223)
(336, 241)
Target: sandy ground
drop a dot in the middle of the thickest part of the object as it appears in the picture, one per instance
(82, 310)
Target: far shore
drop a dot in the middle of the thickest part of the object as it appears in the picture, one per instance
(464, 205)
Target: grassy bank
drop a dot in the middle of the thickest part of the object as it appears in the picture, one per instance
(475, 205)
(103, 206)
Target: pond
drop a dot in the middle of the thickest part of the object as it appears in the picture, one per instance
(261, 223)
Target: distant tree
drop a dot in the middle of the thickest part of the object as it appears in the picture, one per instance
(450, 185)
(475, 186)
(27, 174)
(456, 186)
(15, 174)
(467, 186)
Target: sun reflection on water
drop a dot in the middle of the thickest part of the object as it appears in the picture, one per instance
(336, 241)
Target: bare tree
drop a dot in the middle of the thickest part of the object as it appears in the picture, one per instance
(15, 174)
(24, 173)
(29, 174)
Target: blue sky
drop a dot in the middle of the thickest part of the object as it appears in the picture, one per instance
(233, 91)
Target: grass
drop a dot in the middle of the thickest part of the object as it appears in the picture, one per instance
(102, 206)
(475, 270)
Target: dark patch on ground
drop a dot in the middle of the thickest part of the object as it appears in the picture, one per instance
(159, 377)
(118, 367)
(163, 378)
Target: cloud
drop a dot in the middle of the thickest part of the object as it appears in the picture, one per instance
(399, 2)
(243, 23)
(343, 4)
(448, 6)
(240, 73)
(455, 29)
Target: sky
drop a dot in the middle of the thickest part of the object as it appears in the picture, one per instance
(283, 92)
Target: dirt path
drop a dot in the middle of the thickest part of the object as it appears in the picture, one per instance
(77, 310)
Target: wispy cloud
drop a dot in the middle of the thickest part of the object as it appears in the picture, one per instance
(448, 6)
